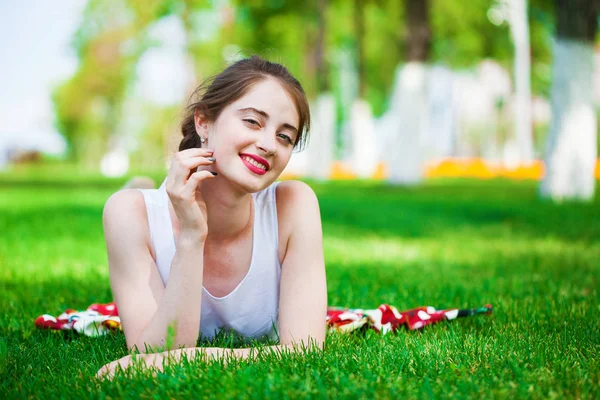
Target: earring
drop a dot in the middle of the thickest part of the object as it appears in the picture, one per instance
(202, 140)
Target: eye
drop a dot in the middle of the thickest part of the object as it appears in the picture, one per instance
(251, 122)
(286, 138)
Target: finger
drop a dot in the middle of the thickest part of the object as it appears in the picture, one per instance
(191, 165)
(196, 151)
(181, 169)
(101, 372)
(186, 163)
(104, 373)
(195, 162)
(195, 179)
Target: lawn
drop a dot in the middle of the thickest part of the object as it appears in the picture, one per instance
(445, 243)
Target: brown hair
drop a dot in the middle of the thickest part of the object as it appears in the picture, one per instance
(212, 96)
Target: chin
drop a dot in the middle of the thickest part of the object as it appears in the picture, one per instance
(251, 184)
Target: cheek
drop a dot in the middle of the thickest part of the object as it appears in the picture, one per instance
(284, 157)
(225, 139)
(237, 134)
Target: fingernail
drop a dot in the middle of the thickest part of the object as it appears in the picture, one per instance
(211, 159)
(214, 173)
(210, 150)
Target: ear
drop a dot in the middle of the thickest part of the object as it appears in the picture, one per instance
(201, 124)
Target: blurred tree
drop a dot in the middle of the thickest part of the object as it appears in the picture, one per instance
(405, 150)
(572, 143)
(418, 32)
(468, 32)
(541, 29)
(363, 142)
(519, 28)
(282, 31)
(320, 64)
(349, 48)
(359, 29)
(108, 44)
(464, 34)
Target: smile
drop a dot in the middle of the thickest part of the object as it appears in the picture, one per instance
(254, 165)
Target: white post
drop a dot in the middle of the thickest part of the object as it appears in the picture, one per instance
(409, 102)
(571, 152)
(519, 28)
(322, 136)
(364, 146)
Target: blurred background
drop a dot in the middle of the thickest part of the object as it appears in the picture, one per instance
(400, 90)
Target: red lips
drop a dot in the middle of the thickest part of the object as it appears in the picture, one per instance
(257, 159)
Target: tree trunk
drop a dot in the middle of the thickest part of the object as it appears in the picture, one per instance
(359, 26)
(519, 28)
(364, 142)
(418, 38)
(321, 146)
(571, 147)
(321, 66)
(405, 152)
(404, 148)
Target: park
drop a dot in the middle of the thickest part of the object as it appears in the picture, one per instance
(453, 151)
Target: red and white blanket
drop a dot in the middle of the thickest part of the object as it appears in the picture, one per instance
(98, 319)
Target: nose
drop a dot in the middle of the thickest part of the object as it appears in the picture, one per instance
(267, 144)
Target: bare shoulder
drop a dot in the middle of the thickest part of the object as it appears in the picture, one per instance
(293, 194)
(125, 220)
(126, 203)
(297, 211)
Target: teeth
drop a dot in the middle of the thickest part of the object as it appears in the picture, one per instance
(255, 163)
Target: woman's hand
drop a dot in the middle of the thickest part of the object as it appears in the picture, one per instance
(157, 361)
(146, 360)
(182, 186)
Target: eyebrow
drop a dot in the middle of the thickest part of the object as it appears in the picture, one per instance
(264, 114)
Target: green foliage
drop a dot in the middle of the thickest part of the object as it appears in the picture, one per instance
(444, 243)
(113, 36)
(109, 42)
(88, 105)
(541, 30)
(463, 35)
(384, 27)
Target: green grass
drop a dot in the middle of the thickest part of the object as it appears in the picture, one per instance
(446, 243)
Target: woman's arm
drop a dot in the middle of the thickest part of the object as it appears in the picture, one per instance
(146, 307)
(159, 360)
(303, 287)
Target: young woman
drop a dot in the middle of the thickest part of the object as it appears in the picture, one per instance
(221, 245)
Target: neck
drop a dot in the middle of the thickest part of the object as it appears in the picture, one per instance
(229, 212)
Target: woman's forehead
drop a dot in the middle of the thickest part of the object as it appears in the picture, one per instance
(270, 97)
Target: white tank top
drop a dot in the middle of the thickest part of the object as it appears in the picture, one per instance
(251, 309)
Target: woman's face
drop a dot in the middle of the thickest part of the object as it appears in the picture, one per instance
(254, 136)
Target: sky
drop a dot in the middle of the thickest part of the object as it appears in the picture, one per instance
(36, 55)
